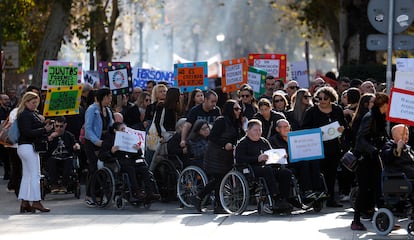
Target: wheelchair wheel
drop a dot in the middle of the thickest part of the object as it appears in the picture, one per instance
(166, 176)
(410, 230)
(103, 187)
(234, 192)
(264, 200)
(383, 221)
(191, 180)
(120, 202)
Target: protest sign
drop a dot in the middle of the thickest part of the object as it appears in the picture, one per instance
(256, 78)
(191, 75)
(60, 73)
(91, 77)
(141, 76)
(273, 64)
(299, 72)
(404, 80)
(140, 137)
(234, 74)
(126, 141)
(61, 101)
(118, 77)
(405, 64)
(305, 145)
(330, 131)
(401, 107)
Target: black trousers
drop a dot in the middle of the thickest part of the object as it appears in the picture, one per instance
(54, 165)
(278, 179)
(214, 181)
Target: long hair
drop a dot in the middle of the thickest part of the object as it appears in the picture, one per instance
(191, 101)
(228, 112)
(141, 99)
(100, 94)
(362, 108)
(298, 108)
(155, 91)
(172, 100)
(195, 130)
(27, 97)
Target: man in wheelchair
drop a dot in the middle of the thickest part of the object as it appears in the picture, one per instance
(250, 150)
(61, 150)
(397, 156)
(131, 163)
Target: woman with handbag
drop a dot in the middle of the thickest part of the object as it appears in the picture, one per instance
(32, 127)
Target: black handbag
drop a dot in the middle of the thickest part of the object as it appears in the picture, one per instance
(350, 161)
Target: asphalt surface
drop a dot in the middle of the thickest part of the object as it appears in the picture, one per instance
(71, 219)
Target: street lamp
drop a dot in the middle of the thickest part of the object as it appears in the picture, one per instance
(220, 38)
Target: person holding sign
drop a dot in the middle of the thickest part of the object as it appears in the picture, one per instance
(131, 162)
(326, 112)
(250, 150)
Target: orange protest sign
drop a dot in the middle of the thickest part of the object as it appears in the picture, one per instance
(234, 74)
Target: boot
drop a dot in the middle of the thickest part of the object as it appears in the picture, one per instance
(38, 206)
(25, 207)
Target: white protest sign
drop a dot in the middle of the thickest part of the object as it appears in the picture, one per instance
(401, 108)
(404, 80)
(405, 64)
(126, 141)
(299, 72)
(276, 156)
(234, 73)
(141, 137)
(330, 131)
(271, 66)
(305, 145)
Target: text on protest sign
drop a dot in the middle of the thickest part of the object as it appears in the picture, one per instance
(140, 137)
(234, 74)
(305, 145)
(404, 80)
(256, 78)
(405, 64)
(273, 64)
(401, 107)
(62, 101)
(299, 72)
(141, 76)
(191, 75)
(59, 73)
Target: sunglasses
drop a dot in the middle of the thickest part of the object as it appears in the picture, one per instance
(307, 96)
(237, 109)
(58, 126)
(294, 87)
(147, 100)
(244, 96)
(277, 100)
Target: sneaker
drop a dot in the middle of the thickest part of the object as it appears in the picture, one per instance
(54, 189)
(396, 227)
(358, 226)
(63, 189)
(89, 202)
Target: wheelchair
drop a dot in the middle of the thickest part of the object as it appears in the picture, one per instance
(190, 182)
(73, 184)
(398, 204)
(111, 185)
(240, 187)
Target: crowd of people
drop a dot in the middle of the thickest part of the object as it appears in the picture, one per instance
(212, 129)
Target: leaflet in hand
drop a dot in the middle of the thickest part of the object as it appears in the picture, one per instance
(330, 131)
(276, 156)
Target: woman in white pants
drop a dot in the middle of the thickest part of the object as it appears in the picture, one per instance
(31, 126)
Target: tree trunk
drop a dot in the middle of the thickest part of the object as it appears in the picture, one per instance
(52, 39)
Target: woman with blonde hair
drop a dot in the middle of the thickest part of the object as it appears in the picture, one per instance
(32, 126)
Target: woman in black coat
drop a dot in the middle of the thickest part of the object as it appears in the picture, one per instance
(226, 131)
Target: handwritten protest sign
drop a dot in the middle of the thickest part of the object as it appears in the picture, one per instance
(141, 76)
(401, 108)
(299, 72)
(140, 137)
(404, 80)
(91, 77)
(405, 64)
(273, 64)
(118, 77)
(191, 75)
(60, 73)
(62, 101)
(234, 74)
(305, 145)
(256, 78)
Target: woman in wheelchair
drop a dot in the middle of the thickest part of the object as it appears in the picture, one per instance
(250, 151)
(197, 142)
(61, 149)
(131, 163)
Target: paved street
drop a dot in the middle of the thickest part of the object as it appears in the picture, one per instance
(71, 219)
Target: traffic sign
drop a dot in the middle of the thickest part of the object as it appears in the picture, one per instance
(379, 42)
(378, 14)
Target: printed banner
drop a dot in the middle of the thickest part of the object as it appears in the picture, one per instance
(141, 76)
(305, 145)
(234, 74)
(61, 101)
(118, 77)
(273, 64)
(60, 73)
(256, 78)
(401, 107)
(191, 75)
